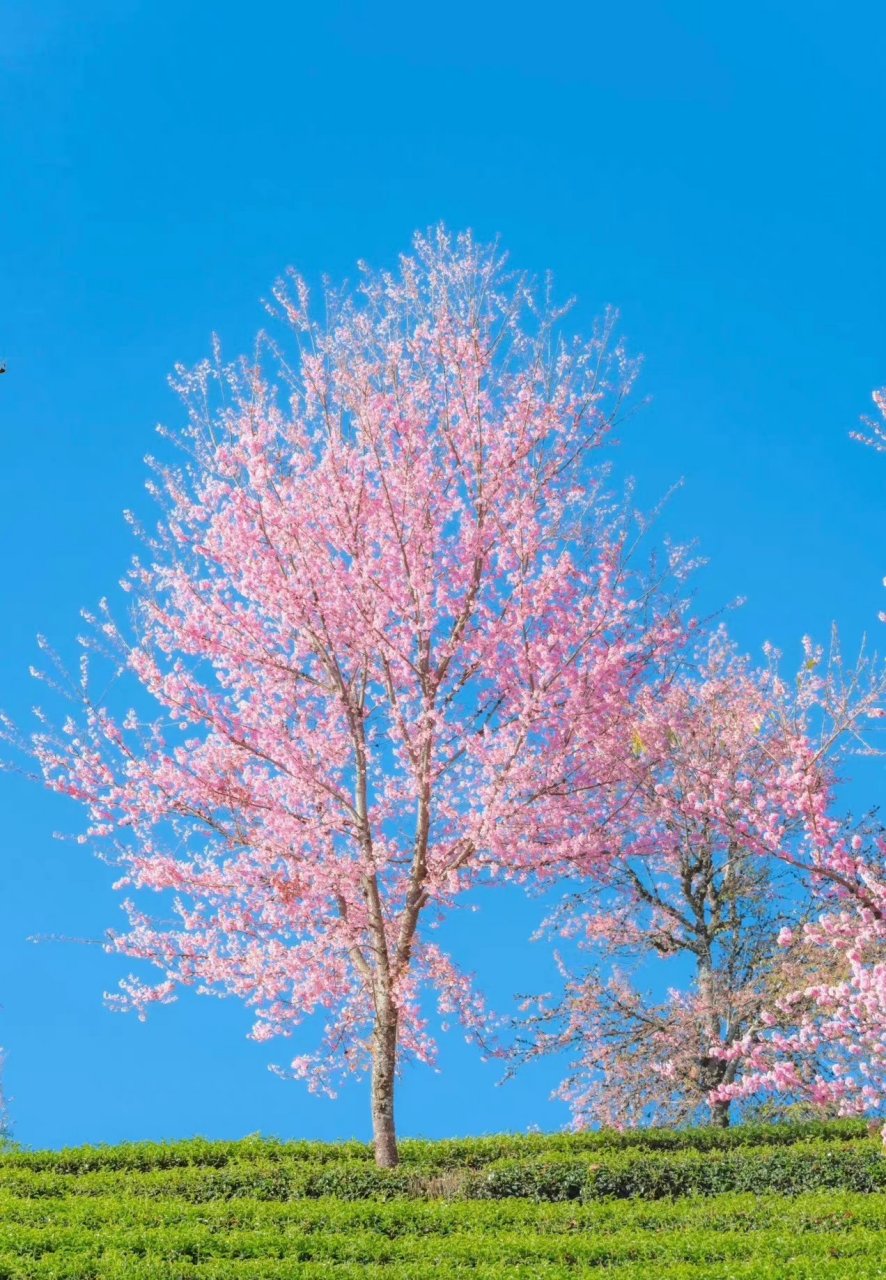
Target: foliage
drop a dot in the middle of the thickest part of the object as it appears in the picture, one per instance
(146, 1211)
(470, 1153)
(589, 1166)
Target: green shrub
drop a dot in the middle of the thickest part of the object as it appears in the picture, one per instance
(464, 1153)
(117, 1237)
(767, 1203)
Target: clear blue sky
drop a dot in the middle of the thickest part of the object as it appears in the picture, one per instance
(716, 171)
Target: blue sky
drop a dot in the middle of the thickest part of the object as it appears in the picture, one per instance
(718, 172)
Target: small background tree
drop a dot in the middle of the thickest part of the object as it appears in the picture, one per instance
(727, 776)
(822, 1039)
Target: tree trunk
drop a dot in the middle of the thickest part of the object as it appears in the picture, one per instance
(384, 1067)
(712, 1069)
(720, 1114)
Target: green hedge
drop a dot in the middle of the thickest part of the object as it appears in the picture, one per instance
(809, 1166)
(851, 1165)
(785, 1202)
(821, 1235)
(196, 1245)
(814, 1212)
(463, 1153)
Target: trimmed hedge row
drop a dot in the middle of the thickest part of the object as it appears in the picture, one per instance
(181, 1256)
(822, 1235)
(851, 1165)
(109, 1267)
(654, 1176)
(467, 1153)
(195, 1245)
(809, 1212)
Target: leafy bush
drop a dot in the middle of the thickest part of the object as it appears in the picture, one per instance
(850, 1164)
(463, 1153)
(803, 1203)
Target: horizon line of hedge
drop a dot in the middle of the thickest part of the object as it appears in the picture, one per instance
(847, 1165)
(439, 1153)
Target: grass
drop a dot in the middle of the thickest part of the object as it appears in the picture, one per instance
(491, 1209)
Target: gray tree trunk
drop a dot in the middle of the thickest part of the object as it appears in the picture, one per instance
(720, 1115)
(384, 1068)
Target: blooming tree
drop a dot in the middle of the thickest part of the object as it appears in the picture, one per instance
(390, 639)
(824, 1038)
(834, 1014)
(732, 766)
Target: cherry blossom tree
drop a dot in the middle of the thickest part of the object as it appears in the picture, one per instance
(719, 824)
(823, 1038)
(390, 636)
